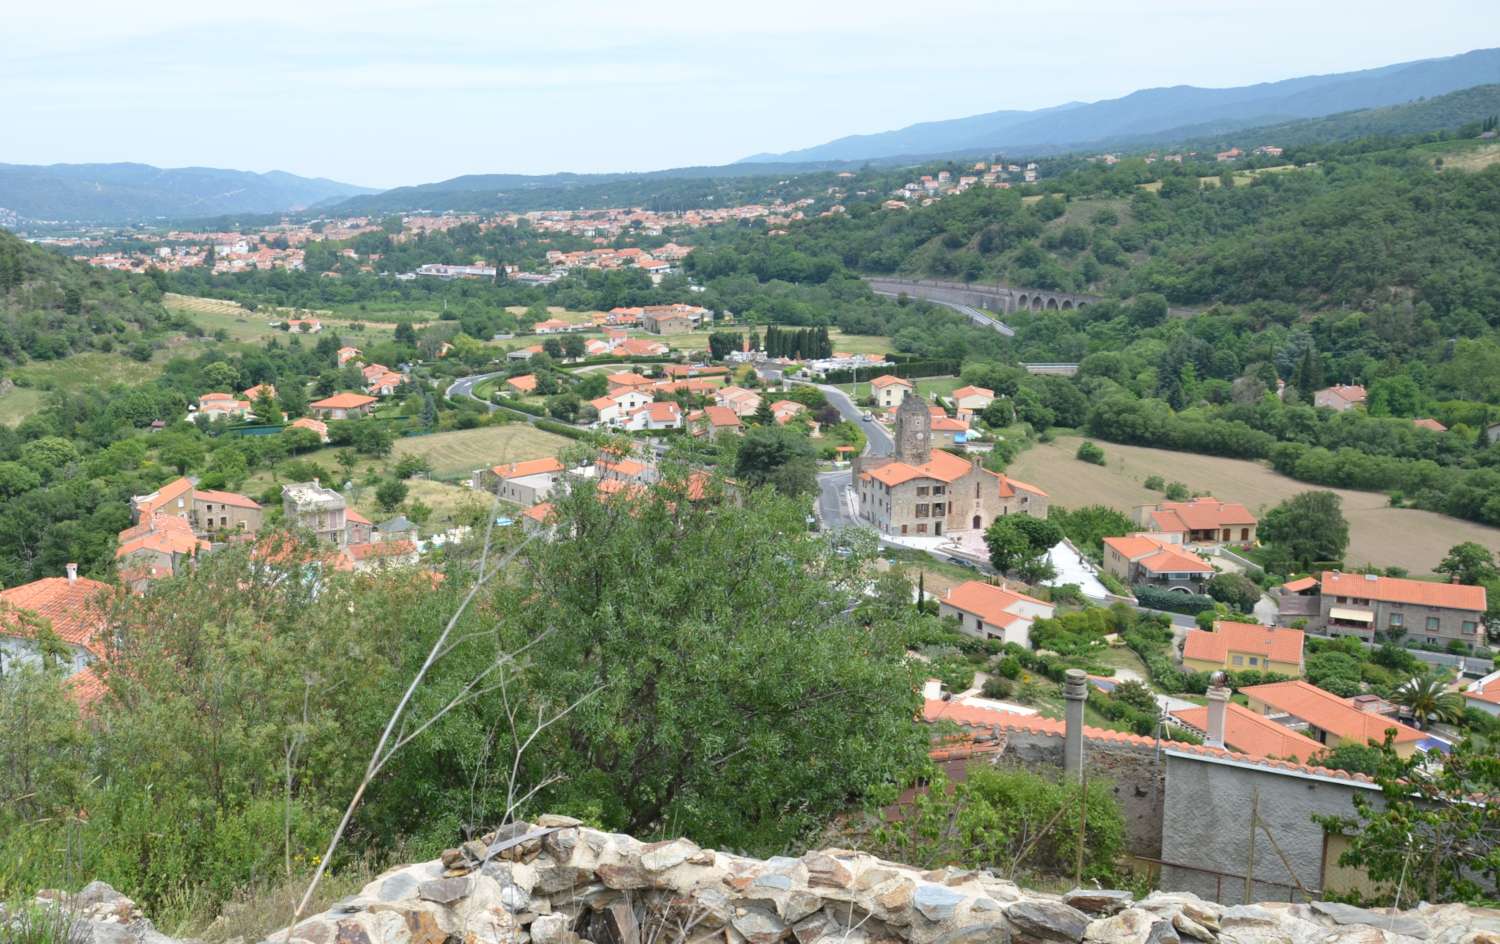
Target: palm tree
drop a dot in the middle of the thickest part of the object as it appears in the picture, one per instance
(1428, 700)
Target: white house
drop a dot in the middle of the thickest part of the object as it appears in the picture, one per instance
(990, 612)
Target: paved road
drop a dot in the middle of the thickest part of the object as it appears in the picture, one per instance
(464, 387)
(980, 318)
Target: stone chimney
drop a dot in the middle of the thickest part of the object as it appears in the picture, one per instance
(1218, 702)
(72, 573)
(1075, 693)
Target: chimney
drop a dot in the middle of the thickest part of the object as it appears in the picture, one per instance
(72, 573)
(1075, 692)
(1218, 701)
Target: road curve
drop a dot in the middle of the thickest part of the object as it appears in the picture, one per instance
(463, 387)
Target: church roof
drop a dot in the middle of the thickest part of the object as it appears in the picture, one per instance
(940, 465)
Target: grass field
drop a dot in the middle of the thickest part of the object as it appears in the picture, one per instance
(449, 503)
(561, 314)
(1378, 534)
(465, 450)
(19, 404)
(214, 314)
(89, 368)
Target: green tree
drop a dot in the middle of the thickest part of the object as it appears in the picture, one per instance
(390, 494)
(265, 408)
(1090, 453)
(1016, 542)
(405, 333)
(779, 457)
(735, 698)
(1427, 698)
(1355, 758)
(1305, 529)
(1470, 563)
(1428, 834)
(1237, 590)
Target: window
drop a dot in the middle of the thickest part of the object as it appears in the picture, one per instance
(922, 528)
(922, 510)
(1470, 627)
(1340, 600)
(1254, 660)
(976, 489)
(1432, 640)
(939, 490)
(937, 509)
(1432, 624)
(1237, 660)
(903, 529)
(1398, 620)
(921, 490)
(1244, 534)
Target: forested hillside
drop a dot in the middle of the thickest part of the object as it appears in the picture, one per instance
(51, 306)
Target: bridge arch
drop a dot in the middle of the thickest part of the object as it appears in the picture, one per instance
(1052, 304)
(1036, 303)
(1067, 304)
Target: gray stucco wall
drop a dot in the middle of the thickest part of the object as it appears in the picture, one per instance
(1206, 823)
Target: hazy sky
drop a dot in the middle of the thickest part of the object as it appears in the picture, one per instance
(384, 93)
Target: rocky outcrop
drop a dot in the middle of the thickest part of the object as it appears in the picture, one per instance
(96, 915)
(556, 882)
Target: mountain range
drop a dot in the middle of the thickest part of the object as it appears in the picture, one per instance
(1162, 114)
(129, 193)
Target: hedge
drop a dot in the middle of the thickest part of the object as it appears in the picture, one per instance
(1155, 598)
(910, 369)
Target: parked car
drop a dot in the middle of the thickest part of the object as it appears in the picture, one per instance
(963, 562)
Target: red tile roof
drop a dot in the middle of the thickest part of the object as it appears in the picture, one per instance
(538, 512)
(885, 380)
(1486, 689)
(169, 541)
(86, 687)
(1455, 596)
(380, 549)
(224, 498)
(74, 608)
(1253, 733)
(990, 603)
(1328, 711)
(1300, 584)
(1278, 645)
(1200, 514)
(516, 470)
(342, 401)
(526, 383)
(1428, 422)
(147, 504)
(721, 416)
(972, 391)
(972, 716)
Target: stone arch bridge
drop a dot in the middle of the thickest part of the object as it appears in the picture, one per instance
(992, 296)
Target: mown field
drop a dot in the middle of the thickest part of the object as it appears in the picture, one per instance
(1378, 534)
(463, 451)
(240, 324)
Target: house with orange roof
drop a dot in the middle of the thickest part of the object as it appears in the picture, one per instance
(156, 549)
(970, 399)
(666, 320)
(357, 528)
(889, 390)
(640, 347)
(1340, 397)
(947, 431)
(371, 371)
(343, 406)
(786, 410)
(208, 512)
(307, 422)
(304, 325)
(663, 414)
(554, 326)
(537, 517)
(742, 401)
(254, 393)
(380, 555)
(926, 492)
(524, 483)
(713, 421)
(215, 406)
(314, 507)
(1428, 422)
(1151, 559)
(74, 608)
(624, 469)
(986, 611)
(1361, 605)
(383, 385)
(615, 407)
(1327, 718)
(347, 354)
(1201, 520)
(627, 380)
(1240, 646)
(524, 353)
(1484, 694)
(1250, 732)
(524, 384)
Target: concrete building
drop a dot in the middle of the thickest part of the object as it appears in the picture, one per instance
(986, 611)
(922, 491)
(666, 322)
(1155, 560)
(312, 507)
(74, 608)
(209, 512)
(1484, 695)
(524, 483)
(1239, 646)
(970, 399)
(1340, 397)
(889, 391)
(1360, 605)
(343, 406)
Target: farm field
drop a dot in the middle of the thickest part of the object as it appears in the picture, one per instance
(1378, 534)
(89, 368)
(214, 314)
(462, 451)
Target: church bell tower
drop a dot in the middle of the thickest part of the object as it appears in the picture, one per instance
(913, 431)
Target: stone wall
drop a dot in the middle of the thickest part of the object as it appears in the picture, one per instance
(1137, 775)
(556, 882)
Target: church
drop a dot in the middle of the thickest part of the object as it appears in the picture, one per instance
(923, 491)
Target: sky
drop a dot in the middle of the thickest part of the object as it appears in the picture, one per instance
(381, 93)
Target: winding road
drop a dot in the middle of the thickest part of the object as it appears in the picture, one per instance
(463, 387)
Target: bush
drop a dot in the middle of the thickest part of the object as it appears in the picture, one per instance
(1155, 598)
(1176, 491)
(1090, 453)
(1236, 590)
(1156, 483)
(998, 687)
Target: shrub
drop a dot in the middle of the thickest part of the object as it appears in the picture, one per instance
(1156, 483)
(1237, 590)
(1090, 453)
(998, 687)
(1176, 491)
(1156, 598)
